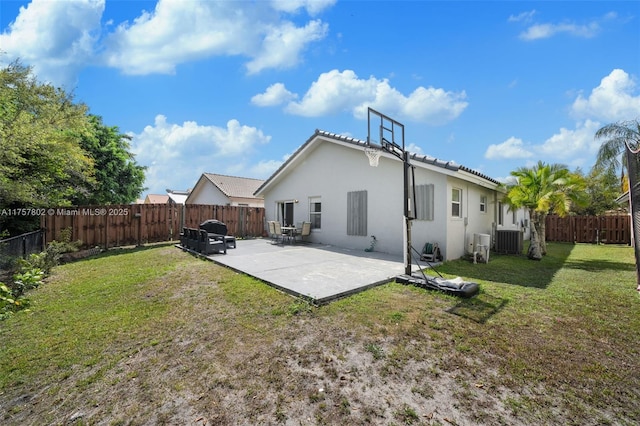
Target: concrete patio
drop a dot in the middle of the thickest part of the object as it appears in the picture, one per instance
(321, 273)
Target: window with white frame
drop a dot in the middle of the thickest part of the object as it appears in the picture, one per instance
(514, 216)
(483, 204)
(424, 202)
(500, 213)
(315, 212)
(357, 213)
(456, 202)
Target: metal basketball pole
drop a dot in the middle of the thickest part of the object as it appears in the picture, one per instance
(399, 151)
(634, 200)
(407, 212)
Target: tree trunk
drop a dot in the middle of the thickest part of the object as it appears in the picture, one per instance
(543, 233)
(535, 252)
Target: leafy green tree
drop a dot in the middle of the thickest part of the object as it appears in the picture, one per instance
(118, 178)
(602, 188)
(615, 137)
(41, 161)
(53, 153)
(542, 189)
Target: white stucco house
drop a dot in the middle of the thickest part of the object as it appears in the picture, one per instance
(177, 196)
(328, 182)
(223, 190)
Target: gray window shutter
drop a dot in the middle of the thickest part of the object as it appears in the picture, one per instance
(357, 213)
(424, 202)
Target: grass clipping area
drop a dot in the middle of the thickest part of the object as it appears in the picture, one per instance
(156, 336)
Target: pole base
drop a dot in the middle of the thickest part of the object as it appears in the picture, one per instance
(454, 287)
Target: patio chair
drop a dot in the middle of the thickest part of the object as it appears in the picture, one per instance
(209, 244)
(277, 232)
(272, 230)
(192, 239)
(305, 230)
(184, 235)
(218, 231)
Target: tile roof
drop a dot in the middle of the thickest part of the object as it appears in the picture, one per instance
(233, 186)
(451, 165)
(156, 198)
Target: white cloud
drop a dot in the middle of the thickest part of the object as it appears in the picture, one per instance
(282, 45)
(180, 31)
(512, 148)
(412, 147)
(335, 91)
(174, 152)
(56, 37)
(430, 105)
(615, 99)
(59, 38)
(522, 17)
(265, 168)
(313, 7)
(275, 94)
(168, 140)
(576, 145)
(539, 31)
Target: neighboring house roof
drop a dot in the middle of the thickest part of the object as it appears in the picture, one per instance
(234, 186)
(178, 196)
(156, 199)
(445, 165)
(231, 186)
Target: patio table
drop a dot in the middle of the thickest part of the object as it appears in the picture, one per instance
(290, 231)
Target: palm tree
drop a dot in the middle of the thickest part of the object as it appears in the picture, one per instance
(542, 189)
(624, 138)
(616, 137)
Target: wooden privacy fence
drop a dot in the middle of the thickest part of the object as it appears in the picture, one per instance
(134, 224)
(241, 221)
(614, 229)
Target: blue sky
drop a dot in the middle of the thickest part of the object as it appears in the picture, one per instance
(235, 87)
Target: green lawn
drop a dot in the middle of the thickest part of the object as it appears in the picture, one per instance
(156, 336)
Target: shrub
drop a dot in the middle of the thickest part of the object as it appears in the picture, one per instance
(52, 255)
(31, 271)
(9, 303)
(26, 279)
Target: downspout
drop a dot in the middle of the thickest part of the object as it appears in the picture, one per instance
(466, 218)
(494, 225)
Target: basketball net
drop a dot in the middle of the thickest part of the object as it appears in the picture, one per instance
(373, 154)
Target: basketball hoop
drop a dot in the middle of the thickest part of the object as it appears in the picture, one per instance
(373, 154)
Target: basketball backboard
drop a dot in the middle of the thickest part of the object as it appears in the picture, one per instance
(385, 132)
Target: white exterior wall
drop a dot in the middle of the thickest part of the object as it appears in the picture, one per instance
(431, 231)
(207, 193)
(330, 173)
(333, 169)
(249, 202)
(522, 218)
(460, 230)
